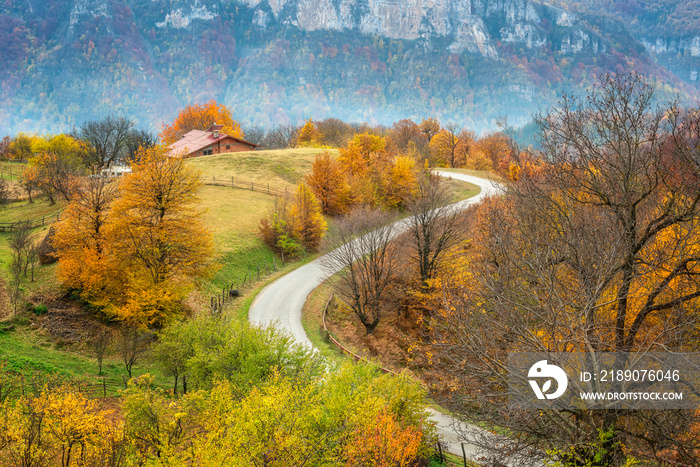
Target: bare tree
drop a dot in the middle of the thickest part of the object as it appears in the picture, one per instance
(597, 251)
(19, 241)
(29, 183)
(334, 132)
(133, 343)
(100, 341)
(136, 140)
(107, 140)
(433, 226)
(254, 134)
(366, 262)
(281, 137)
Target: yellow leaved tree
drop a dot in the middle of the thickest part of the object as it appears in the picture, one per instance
(158, 237)
(133, 248)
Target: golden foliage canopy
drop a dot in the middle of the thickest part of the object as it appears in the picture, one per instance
(200, 117)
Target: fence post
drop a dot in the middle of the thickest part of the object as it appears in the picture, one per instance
(268, 188)
(252, 186)
(231, 182)
(104, 387)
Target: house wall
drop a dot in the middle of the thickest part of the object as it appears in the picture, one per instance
(223, 146)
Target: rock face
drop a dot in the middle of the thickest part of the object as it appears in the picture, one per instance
(469, 24)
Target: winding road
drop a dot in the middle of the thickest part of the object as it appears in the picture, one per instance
(281, 304)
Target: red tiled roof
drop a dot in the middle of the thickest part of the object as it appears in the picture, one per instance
(215, 127)
(196, 140)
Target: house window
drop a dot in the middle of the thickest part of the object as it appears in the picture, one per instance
(228, 146)
(207, 152)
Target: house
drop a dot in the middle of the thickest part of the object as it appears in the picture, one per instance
(114, 171)
(212, 141)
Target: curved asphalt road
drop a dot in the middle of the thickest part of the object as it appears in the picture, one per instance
(281, 303)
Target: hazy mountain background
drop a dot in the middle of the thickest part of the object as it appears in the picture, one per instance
(281, 61)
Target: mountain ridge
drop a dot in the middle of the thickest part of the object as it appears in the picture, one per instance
(282, 61)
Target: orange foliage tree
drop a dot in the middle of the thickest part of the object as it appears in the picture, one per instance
(134, 247)
(81, 244)
(158, 235)
(200, 117)
(328, 184)
(450, 146)
(384, 442)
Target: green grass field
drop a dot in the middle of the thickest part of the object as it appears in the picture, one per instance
(28, 353)
(11, 170)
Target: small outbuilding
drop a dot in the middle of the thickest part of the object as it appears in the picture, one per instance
(212, 141)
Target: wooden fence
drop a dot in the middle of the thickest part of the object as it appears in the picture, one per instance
(233, 290)
(245, 185)
(346, 351)
(32, 223)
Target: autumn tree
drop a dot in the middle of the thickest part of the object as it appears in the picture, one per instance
(497, 147)
(308, 222)
(448, 147)
(134, 247)
(59, 426)
(355, 159)
(295, 224)
(21, 146)
(56, 165)
(200, 117)
(328, 184)
(366, 262)
(307, 134)
(157, 234)
(400, 182)
(595, 251)
(81, 242)
(405, 132)
(430, 127)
